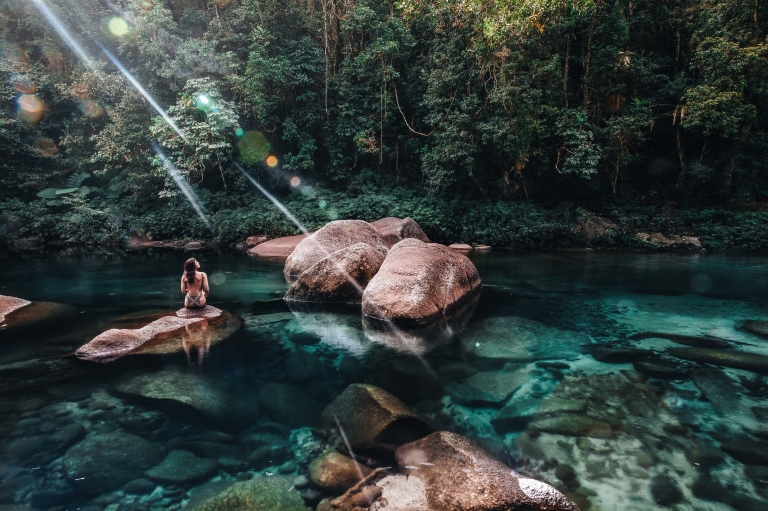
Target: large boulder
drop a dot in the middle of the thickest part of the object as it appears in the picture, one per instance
(105, 462)
(488, 387)
(258, 494)
(163, 334)
(331, 237)
(336, 473)
(394, 230)
(182, 467)
(458, 475)
(373, 419)
(420, 283)
(338, 278)
(277, 248)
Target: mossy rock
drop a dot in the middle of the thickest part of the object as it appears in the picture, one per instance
(258, 494)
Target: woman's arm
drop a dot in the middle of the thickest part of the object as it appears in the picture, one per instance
(205, 285)
(183, 284)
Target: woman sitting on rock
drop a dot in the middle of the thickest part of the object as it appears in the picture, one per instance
(195, 284)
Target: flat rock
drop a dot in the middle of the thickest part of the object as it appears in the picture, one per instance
(514, 339)
(288, 404)
(9, 304)
(658, 370)
(420, 282)
(372, 417)
(17, 313)
(182, 467)
(278, 248)
(340, 277)
(573, 425)
(747, 451)
(461, 247)
(728, 358)
(257, 494)
(757, 327)
(331, 237)
(335, 473)
(718, 388)
(105, 462)
(207, 311)
(618, 355)
(394, 230)
(458, 475)
(516, 415)
(491, 387)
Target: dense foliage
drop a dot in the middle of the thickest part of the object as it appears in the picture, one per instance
(492, 122)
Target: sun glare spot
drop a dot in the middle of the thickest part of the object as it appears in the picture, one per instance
(295, 181)
(239, 132)
(118, 26)
(14, 55)
(322, 204)
(30, 108)
(254, 146)
(22, 83)
(271, 160)
(202, 98)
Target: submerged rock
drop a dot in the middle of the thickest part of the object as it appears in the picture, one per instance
(757, 327)
(277, 248)
(335, 473)
(105, 462)
(394, 230)
(697, 342)
(718, 388)
(258, 494)
(182, 467)
(331, 237)
(659, 370)
(516, 415)
(17, 313)
(514, 339)
(491, 387)
(9, 304)
(617, 355)
(328, 280)
(188, 329)
(420, 283)
(373, 418)
(573, 425)
(458, 475)
(289, 405)
(728, 358)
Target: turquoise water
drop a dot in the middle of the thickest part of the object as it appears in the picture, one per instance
(523, 378)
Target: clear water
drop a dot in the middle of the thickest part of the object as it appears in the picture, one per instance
(606, 435)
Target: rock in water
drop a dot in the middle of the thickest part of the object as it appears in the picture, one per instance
(420, 283)
(573, 425)
(373, 418)
(19, 313)
(331, 237)
(327, 281)
(516, 415)
(718, 388)
(258, 494)
(208, 311)
(9, 304)
(757, 327)
(278, 247)
(394, 230)
(459, 476)
(491, 387)
(727, 358)
(515, 339)
(289, 405)
(105, 462)
(336, 473)
(182, 467)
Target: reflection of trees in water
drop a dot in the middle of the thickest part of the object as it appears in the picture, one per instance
(196, 342)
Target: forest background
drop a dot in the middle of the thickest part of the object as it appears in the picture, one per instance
(504, 122)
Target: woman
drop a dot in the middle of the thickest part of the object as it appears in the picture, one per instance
(195, 284)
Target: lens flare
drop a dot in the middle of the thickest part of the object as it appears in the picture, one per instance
(31, 108)
(64, 33)
(254, 146)
(239, 132)
(22, 83)
(46, 147)
(118, 26)
(271, 160)
(91, 109)
(187, 190)
(202, 98)
(14, 55)
(295, 181)
(322, 204)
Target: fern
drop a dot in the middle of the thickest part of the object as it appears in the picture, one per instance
(85, 190)
(75, 180)
(65, 190)
(48, 193)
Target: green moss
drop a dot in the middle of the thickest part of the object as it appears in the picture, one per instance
(259, 494)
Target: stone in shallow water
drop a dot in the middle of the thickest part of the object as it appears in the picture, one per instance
(618, 355)
(288, 404)
(491, 387)
(658, 370)
(258, 494)
(105, 462)
(301, 366)
(515, 339)
(728, 358)
(394, 230)
(516, 415)
(372, 417)
(17, 313)
(209, 311)
(718, 388)
(182, 467)
(665, 491)
(9, 304)
(747, 451)
(757, 327)
(139, 486)
(335, 473)
(459, 476)
(573, 425)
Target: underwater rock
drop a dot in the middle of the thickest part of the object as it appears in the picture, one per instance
(665, 491)
(697, 342)
(139, 486)
(175, 390)
(657, 370)
(46, 499)
(182, 467)
(514, 339)
(394, 230)
(728, 358)
(491, 387)
(289, 405)
(258, 494)
(617, 355)
(516, 415)
(17, 313)
(458, 475)
(327, 281)
(747, 451)
(9, 304)
(196, 329)
(331, 237)
(365, 494)
(336, 473)
(406, 379)
(718, 388)
(419, 283)
(105, 462)
(573, 425)
(301, 366)
(373, 418)
(757, 327)
(278, 247)
(337, 329)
